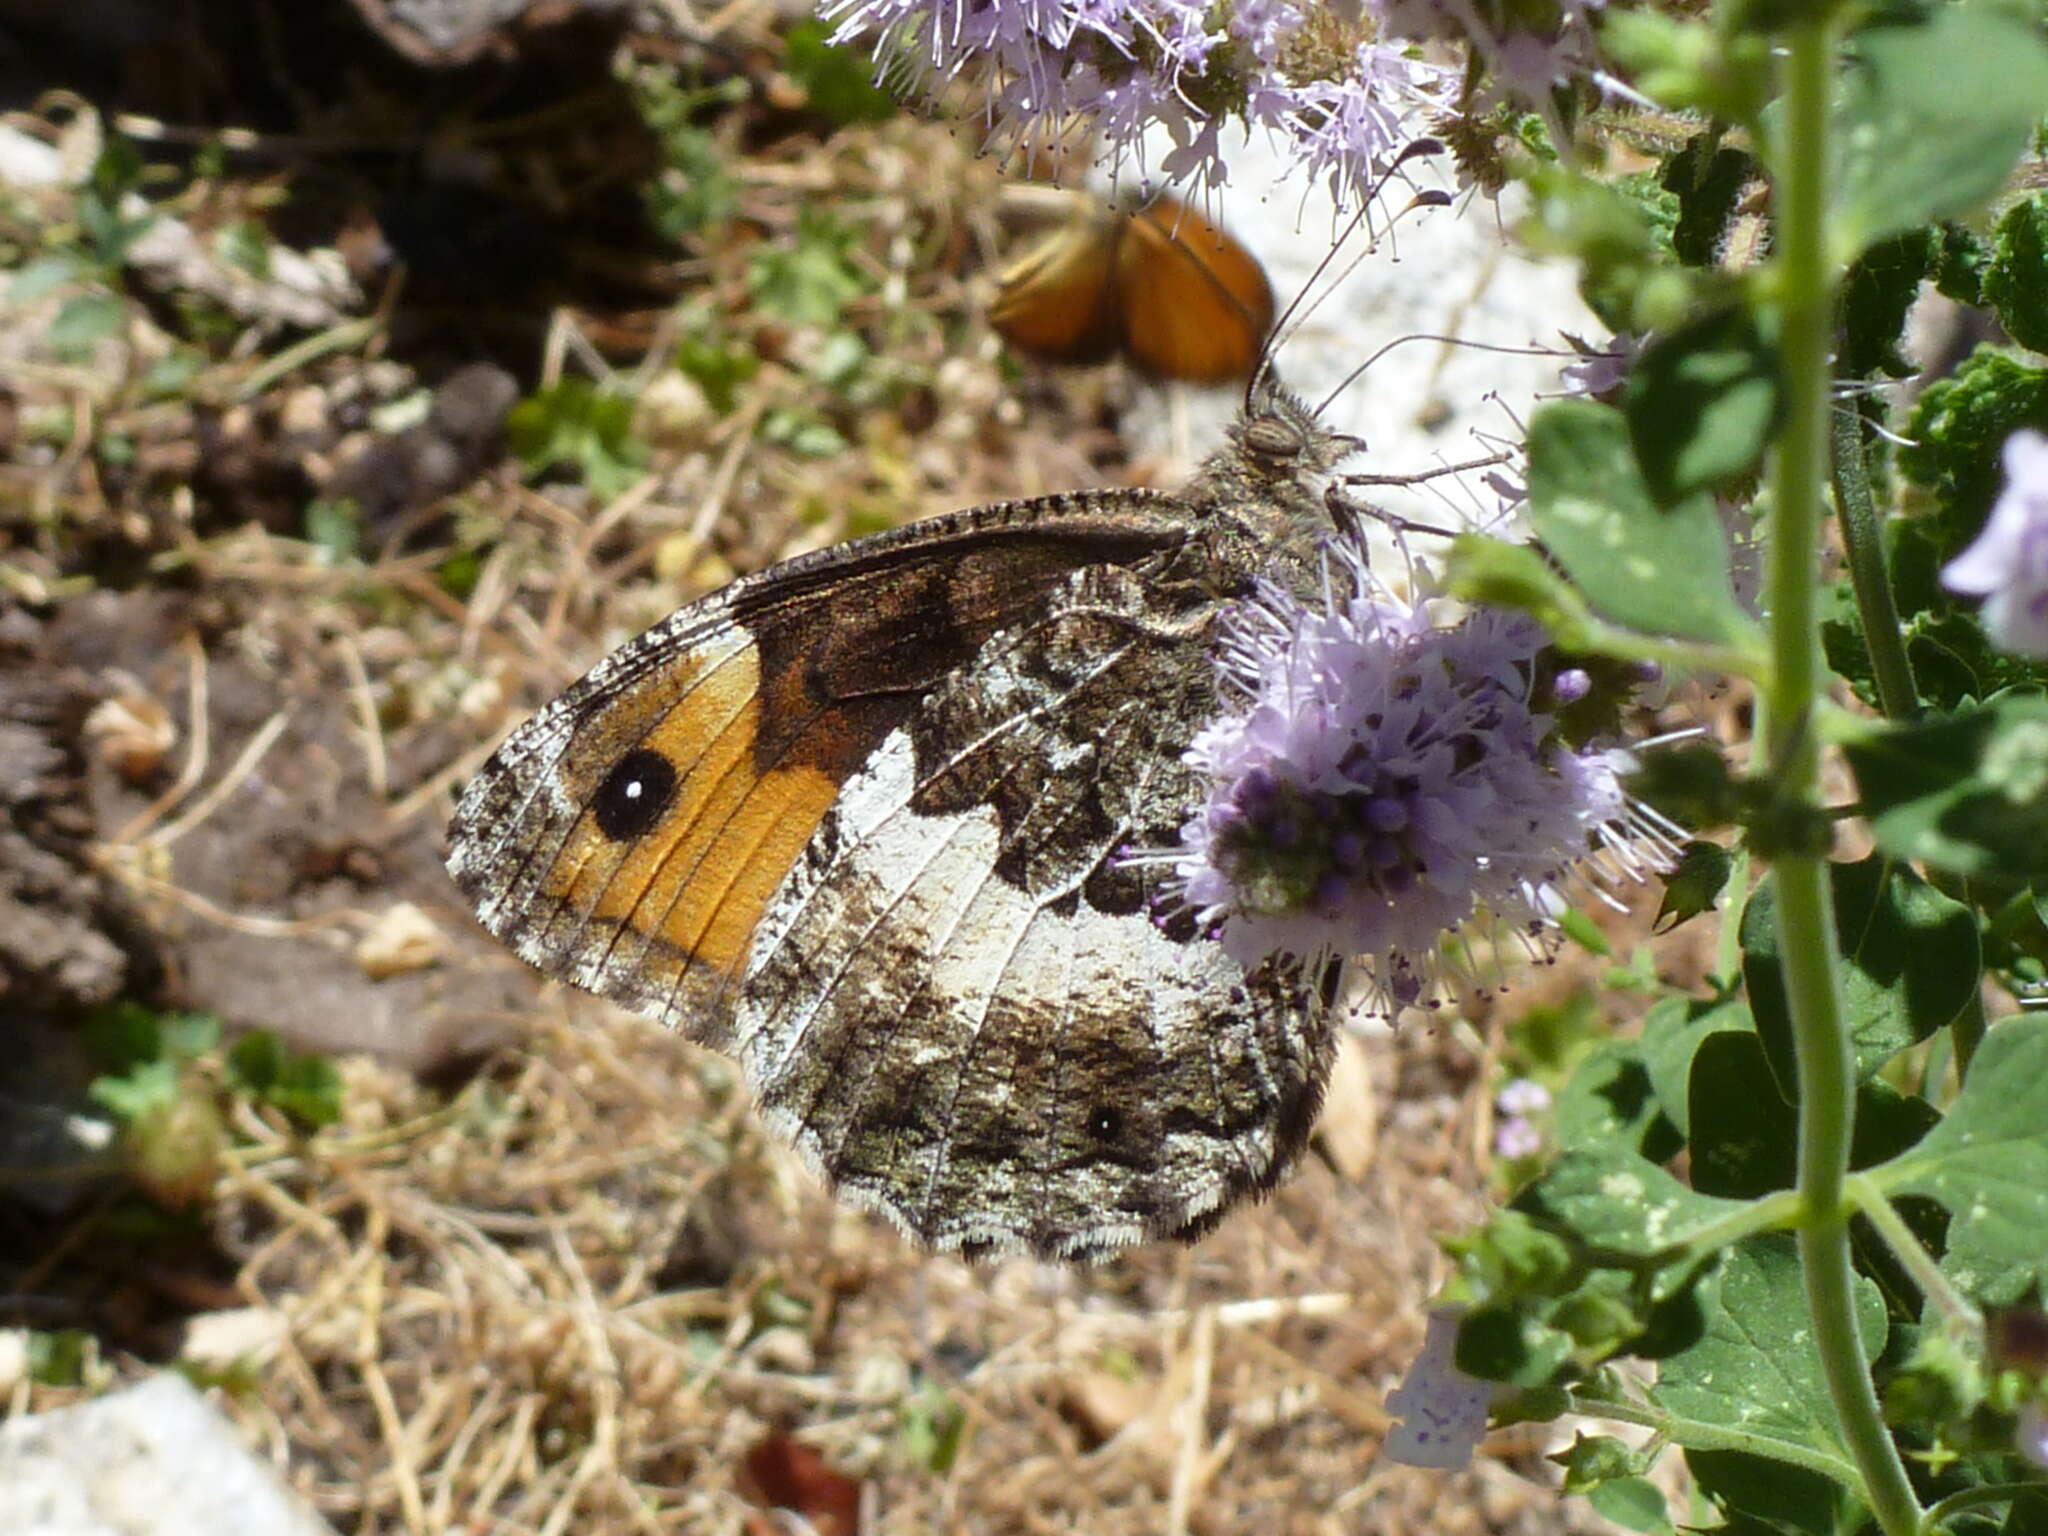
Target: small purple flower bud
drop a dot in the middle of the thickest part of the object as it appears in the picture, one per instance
(1347, 849)
(1516, 1138)
(1387, 853)
(1523, 1096)
(1384, 813)
(1571, 685)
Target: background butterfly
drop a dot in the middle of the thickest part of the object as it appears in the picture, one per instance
(1162, 286)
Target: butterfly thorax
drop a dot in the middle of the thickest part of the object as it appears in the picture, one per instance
(1263, 495)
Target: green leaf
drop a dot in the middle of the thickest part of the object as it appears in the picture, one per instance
(1700, 402)
(838, 82)
(1503, 575)
(148, 1087)
(44, 276)
(1608, 1099)
(717, 369)
(697, 189)
(1934, 110)
(1591, 1460)
(1967, 794)
(1743, 1135)
(1876, 294)
(58, 1359)
(1707, 178)
(83, 322)
(1694, 884)
(1691, 785)
(1673, 1033)
(2015, 283)
(1620, 1204)
(803, 432)
(1960, 266)
(1987, 1163)
(1624, 277)
(1755, 1366)
(574, 423)
(1956, 431)
(1634, 1503)
(303, 1084)
(1909, 963)
(1659, 572)
(811, 280)
(335, 528)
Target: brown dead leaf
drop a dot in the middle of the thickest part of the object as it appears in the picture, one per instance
(783, 1473)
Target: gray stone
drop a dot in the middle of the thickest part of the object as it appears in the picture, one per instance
(155, 1459)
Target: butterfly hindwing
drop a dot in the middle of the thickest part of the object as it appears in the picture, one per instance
(961, 1008)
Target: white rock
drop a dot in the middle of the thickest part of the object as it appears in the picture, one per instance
(153, 1460)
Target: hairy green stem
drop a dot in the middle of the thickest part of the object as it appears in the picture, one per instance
(1871, 1201)
(1863, 537)
(1806, 925)
(1971, 1498)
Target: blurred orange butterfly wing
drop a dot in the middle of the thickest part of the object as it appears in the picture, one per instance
(1059, 301)
(1195, 304)
(1175, 294)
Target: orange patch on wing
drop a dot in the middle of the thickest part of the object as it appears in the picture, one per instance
(697, 881)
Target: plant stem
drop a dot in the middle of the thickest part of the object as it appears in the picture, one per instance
(1806, 925)
(1863, 536)
(1966, 1033)
(1971, 1498)
(1878, 1210)
(1697, 1435)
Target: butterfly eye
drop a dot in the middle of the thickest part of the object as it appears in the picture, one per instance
(1268, 437)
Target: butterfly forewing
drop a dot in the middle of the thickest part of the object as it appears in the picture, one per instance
(627, 837)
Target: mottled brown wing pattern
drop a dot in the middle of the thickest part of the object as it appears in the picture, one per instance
(960, 1006)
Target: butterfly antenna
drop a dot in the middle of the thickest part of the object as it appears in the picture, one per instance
(1295, 316)
(1357, 373)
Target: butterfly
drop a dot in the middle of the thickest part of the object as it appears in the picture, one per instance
(860, 821)
(1161, 285)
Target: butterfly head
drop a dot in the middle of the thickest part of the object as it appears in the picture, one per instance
(1272, 475)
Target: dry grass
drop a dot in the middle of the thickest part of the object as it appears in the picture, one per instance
(574, 1295)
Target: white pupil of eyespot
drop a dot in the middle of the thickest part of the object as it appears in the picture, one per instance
(633, 790)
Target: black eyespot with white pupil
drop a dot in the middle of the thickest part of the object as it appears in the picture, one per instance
(1104, 1123)
(634, 794)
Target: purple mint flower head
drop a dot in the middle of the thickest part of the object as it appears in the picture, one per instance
(1385, 787)
(1133, 64)
(2008, 565)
